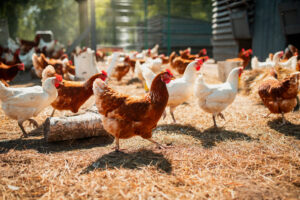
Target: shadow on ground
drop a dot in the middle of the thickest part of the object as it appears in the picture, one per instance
(208, 137)
(288, 129)
(37, 142)
(133, 160)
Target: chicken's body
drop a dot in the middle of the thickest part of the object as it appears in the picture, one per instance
(255, 64)
(243, 57)
(280, 96)
(178, 63)
(23, 103)
(8, 73)
(126, 116)
(72, 94)
(181, 89)
(215, 98)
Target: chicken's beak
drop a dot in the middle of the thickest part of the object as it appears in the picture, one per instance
(173, 78)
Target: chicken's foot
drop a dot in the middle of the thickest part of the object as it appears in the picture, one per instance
(33, 123)
(23, 130)
(221, 116)
(117, 147)
(160, 146)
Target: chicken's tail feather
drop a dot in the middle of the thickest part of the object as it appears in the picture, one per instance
(4, 92)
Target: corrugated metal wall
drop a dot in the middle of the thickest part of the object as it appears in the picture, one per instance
(226, 43)
(268, 35)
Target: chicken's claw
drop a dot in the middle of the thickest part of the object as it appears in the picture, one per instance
(221, 116)
(33, 123)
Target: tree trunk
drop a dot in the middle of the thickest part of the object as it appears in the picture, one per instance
(74, 127)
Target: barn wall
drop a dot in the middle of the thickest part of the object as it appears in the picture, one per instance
(268, 35)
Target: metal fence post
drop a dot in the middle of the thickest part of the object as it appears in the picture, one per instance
(146, 23)
(169, 28)
(93, 26)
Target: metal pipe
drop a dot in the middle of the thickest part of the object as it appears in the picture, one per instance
(93, 26)
(146, 23)
(169, 27)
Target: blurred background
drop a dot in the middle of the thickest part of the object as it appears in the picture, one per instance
(223, 27)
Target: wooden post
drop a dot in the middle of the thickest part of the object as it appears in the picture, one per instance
(74, 127)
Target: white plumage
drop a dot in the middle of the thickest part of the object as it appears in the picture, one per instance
(255, 64)
(23, 103)
(215, 98)
(181, 89)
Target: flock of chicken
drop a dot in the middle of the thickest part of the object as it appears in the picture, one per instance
(125, 116)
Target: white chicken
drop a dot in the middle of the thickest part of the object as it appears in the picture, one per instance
(23, 103)
(27, 58)
(215, 98)
(12, 45)
(47, 46)
(147, 53)
(268, 64)
(181, 89)
(290, 63)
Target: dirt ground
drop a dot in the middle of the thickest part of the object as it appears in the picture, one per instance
(248, 157)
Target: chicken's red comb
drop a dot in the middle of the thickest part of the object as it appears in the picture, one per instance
(104, 73)
(58, 77)
(169, 71)
(243, 49)
(70, 62)
(250, 51)
(204, 51)
(200, 61)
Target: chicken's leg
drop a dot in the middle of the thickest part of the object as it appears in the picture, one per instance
(172, 114)
(283, 119)
(214, 119)
(117, 148)
(52, 114)
(164, 114)
(33, 122)
(22, 128)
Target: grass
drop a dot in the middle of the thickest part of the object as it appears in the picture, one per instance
(248, 157)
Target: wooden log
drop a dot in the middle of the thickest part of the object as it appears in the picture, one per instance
(74, 127)
(224, 68)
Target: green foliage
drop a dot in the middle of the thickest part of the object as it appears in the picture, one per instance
(25, 17)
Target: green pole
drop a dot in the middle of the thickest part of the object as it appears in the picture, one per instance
(169, 28)
(146, 24)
